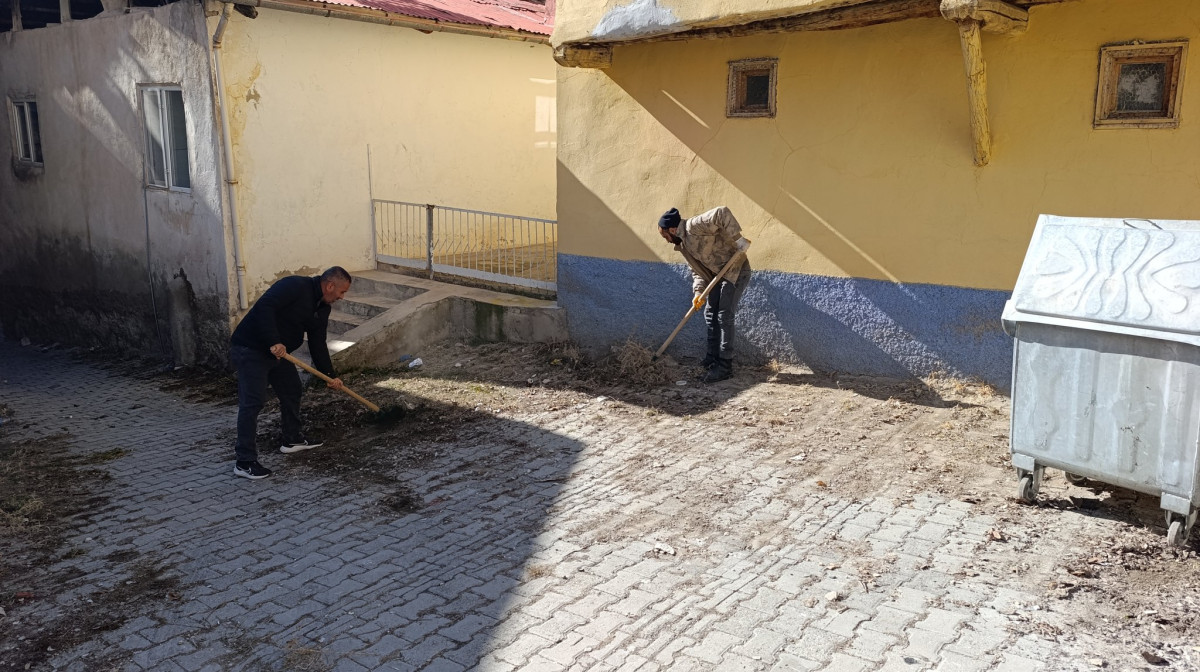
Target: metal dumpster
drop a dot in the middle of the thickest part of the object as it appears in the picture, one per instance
(1106, 362)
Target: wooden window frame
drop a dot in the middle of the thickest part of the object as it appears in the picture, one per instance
(735, 104)
(1113, 56)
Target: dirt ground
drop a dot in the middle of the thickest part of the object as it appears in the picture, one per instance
(853, 436)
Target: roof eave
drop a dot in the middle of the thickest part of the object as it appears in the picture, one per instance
(380, 16)
(855, 15)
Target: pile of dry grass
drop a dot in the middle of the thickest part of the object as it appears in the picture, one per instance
(631, 362)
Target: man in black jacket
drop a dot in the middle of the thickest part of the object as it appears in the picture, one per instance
(276, 324)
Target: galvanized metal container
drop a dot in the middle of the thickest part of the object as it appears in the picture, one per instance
(1106, 364)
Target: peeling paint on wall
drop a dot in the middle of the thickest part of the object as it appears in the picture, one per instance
(640, 17)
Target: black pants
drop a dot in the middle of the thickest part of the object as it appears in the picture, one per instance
(256, 370)
(719, 316)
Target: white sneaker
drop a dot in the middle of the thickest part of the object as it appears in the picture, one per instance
(251, 470)
(299, 445)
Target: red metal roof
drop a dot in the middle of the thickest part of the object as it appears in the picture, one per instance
(531, 17)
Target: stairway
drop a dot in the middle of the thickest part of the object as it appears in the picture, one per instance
(387, 315)
(365, 300)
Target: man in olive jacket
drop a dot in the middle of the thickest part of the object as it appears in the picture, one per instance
(708, 241)
(276, 324)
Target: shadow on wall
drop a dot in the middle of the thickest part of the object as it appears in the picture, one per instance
(594, 223)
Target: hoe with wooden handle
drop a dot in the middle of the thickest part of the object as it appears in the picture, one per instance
(377, 415)
(703, 297)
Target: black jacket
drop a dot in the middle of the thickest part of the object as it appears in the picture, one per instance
(290, 308)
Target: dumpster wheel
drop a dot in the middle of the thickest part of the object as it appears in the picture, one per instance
(1025, 491)
(1028, 484)
(1179, 528)
(1074, 479)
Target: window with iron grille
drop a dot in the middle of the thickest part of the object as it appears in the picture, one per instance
(751, 88)
(166, 138)
(27, 132)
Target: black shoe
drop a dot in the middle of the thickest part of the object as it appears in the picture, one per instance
(299, 445)
(251, 470)
(707, 362)
(719, 371)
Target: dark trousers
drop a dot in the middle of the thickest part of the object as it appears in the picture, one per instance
(256, 370)
(719, 316)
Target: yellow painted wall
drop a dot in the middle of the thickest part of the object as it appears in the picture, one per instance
(591, 20)
(867, 169)
(453, 120)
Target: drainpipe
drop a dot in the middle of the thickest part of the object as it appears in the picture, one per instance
(227, 146)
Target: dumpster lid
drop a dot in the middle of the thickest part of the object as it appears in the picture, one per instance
(1125, 272)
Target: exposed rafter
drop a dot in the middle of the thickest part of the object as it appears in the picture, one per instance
(598, 54)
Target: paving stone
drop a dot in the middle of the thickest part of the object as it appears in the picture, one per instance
(1013, 663)
(841, 662)
(927, 643)
(957, 662)
(503, 572)
(762, 644)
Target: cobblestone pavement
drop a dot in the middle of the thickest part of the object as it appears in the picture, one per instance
(553, 557)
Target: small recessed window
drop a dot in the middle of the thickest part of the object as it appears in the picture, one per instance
(752, 88)
(1140, 85)
(27, 131)
(166, 138)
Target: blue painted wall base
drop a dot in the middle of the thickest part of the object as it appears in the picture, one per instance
(846, 325)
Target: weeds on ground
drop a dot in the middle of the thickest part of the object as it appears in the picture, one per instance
(537, 571)
(107, 455)
(18, 512)
(944, 382)
(304, 659)
(632, 362)
(36, 479)
(562, 353)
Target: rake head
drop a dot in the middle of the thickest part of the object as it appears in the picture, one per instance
(386, 415)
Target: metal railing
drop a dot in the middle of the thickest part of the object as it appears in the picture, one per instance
(489, 246)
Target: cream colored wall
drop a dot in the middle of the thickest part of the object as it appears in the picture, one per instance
(589, 20)
(867, 169)
(451, 119)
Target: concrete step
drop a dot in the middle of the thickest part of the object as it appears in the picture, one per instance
(340, 323)
(434, 311)
(364, 304)
(387, 285)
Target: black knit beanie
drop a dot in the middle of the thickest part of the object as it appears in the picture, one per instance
(669, 220)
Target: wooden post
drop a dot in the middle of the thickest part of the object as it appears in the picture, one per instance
(973, 16)
(972, 48)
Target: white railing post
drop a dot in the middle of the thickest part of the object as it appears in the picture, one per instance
(429, 239)
(501, 248)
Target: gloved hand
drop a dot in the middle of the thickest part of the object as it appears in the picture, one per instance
(742, 244)
(698, 301)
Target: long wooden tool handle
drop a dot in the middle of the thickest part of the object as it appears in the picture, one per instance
(703, 295)
(327, 379)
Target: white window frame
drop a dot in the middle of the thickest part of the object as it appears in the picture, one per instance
(22, 121)
(165, 151)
